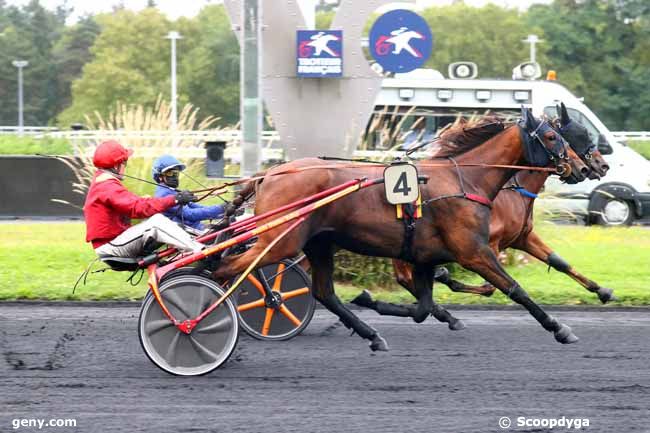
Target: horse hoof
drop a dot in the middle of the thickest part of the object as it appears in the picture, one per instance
(441, 272)
(457, 325)
(564, 335)
(364, 299)
(378, 344)
(606, 295)
(487, 290)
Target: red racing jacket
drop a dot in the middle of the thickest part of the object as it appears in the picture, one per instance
(109, 208)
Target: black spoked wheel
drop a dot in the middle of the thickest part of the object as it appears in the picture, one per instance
(210, 343)
(284, 316)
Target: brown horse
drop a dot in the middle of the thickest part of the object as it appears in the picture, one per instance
(511, 226)
(452, 228)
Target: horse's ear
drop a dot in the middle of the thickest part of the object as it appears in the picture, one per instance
(528, 118)
(525, 115)
(565, 119)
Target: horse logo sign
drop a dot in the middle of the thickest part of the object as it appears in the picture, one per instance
(400, 41)
(320, 53)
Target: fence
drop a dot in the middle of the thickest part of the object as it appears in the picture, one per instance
(632, 135)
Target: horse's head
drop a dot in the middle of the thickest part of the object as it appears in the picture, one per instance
(578, 138)
(545, 147)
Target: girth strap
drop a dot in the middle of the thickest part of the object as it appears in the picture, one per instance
(409, 220)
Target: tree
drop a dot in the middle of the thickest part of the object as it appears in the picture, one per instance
(589, 44)
(29, 34)
(490, 36)
(129, 64)
(209, 64)
(71, 53)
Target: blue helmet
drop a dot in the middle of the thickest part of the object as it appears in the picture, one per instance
(164, 163)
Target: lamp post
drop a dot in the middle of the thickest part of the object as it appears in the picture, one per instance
(532, 40)
(20, 64)
(173, 36)
(250, 85)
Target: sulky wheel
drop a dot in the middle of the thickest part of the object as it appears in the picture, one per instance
(287, 313)
(208, 345)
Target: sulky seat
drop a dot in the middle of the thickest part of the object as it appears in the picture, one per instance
(121, 263)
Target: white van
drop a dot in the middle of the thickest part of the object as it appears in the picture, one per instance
(428, 100)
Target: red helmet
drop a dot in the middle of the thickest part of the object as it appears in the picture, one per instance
(110, 153)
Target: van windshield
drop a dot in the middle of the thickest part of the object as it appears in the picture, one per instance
(402, 127)
(577, 116)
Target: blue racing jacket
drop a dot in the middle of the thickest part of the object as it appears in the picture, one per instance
(191, 214)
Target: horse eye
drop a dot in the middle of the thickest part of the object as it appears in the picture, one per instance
(550, 136)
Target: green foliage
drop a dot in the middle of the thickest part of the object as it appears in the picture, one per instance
(71, 53)
(128, 65)
(131, 64)
(490, 36)
(35, 270)
(209, 64)
(28, 145)
(28, 33)
(600, 49)
(643, 147)
(324, 19)
(594, 49)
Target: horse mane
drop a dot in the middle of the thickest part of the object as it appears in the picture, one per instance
(464, 135)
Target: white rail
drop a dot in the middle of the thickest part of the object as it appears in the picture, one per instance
(632, 135)
(27, 130)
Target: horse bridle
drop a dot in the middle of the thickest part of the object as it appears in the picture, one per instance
(559, 154)
(584, 152)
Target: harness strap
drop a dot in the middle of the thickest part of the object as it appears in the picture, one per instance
(520, 189)
(479, 199)
(523, 191)
(409, 232)
(223, 188)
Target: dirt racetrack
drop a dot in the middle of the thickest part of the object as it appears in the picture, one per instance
(86, 363)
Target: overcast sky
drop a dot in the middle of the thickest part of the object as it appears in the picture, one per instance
(176, 8)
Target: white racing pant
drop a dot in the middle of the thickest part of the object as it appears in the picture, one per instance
(158, 228)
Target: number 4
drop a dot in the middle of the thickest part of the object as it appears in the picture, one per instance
(402, 185)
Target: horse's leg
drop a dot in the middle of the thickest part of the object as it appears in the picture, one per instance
(406, 277)
(442, 276)
(321, 257)
(484, 262)
(231, 266)
(536, 247)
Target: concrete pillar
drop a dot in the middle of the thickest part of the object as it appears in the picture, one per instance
(315, 116)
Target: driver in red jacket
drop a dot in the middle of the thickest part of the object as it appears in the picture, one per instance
(109, 208)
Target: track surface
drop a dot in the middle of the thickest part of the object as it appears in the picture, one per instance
(86, 363)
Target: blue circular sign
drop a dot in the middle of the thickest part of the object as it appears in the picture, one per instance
(400, 41)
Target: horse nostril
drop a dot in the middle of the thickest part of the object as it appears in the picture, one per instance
(605, 167)
(584, 171)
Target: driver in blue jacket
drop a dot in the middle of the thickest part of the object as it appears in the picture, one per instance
(165, 172)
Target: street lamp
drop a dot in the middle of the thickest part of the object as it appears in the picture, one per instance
(20, 64)
(533, 40)
(173, 36)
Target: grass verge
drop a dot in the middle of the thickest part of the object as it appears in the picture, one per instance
(29, 145)
(643, 147)
(43, 261)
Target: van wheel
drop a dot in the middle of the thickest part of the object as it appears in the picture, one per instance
(611, 211)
